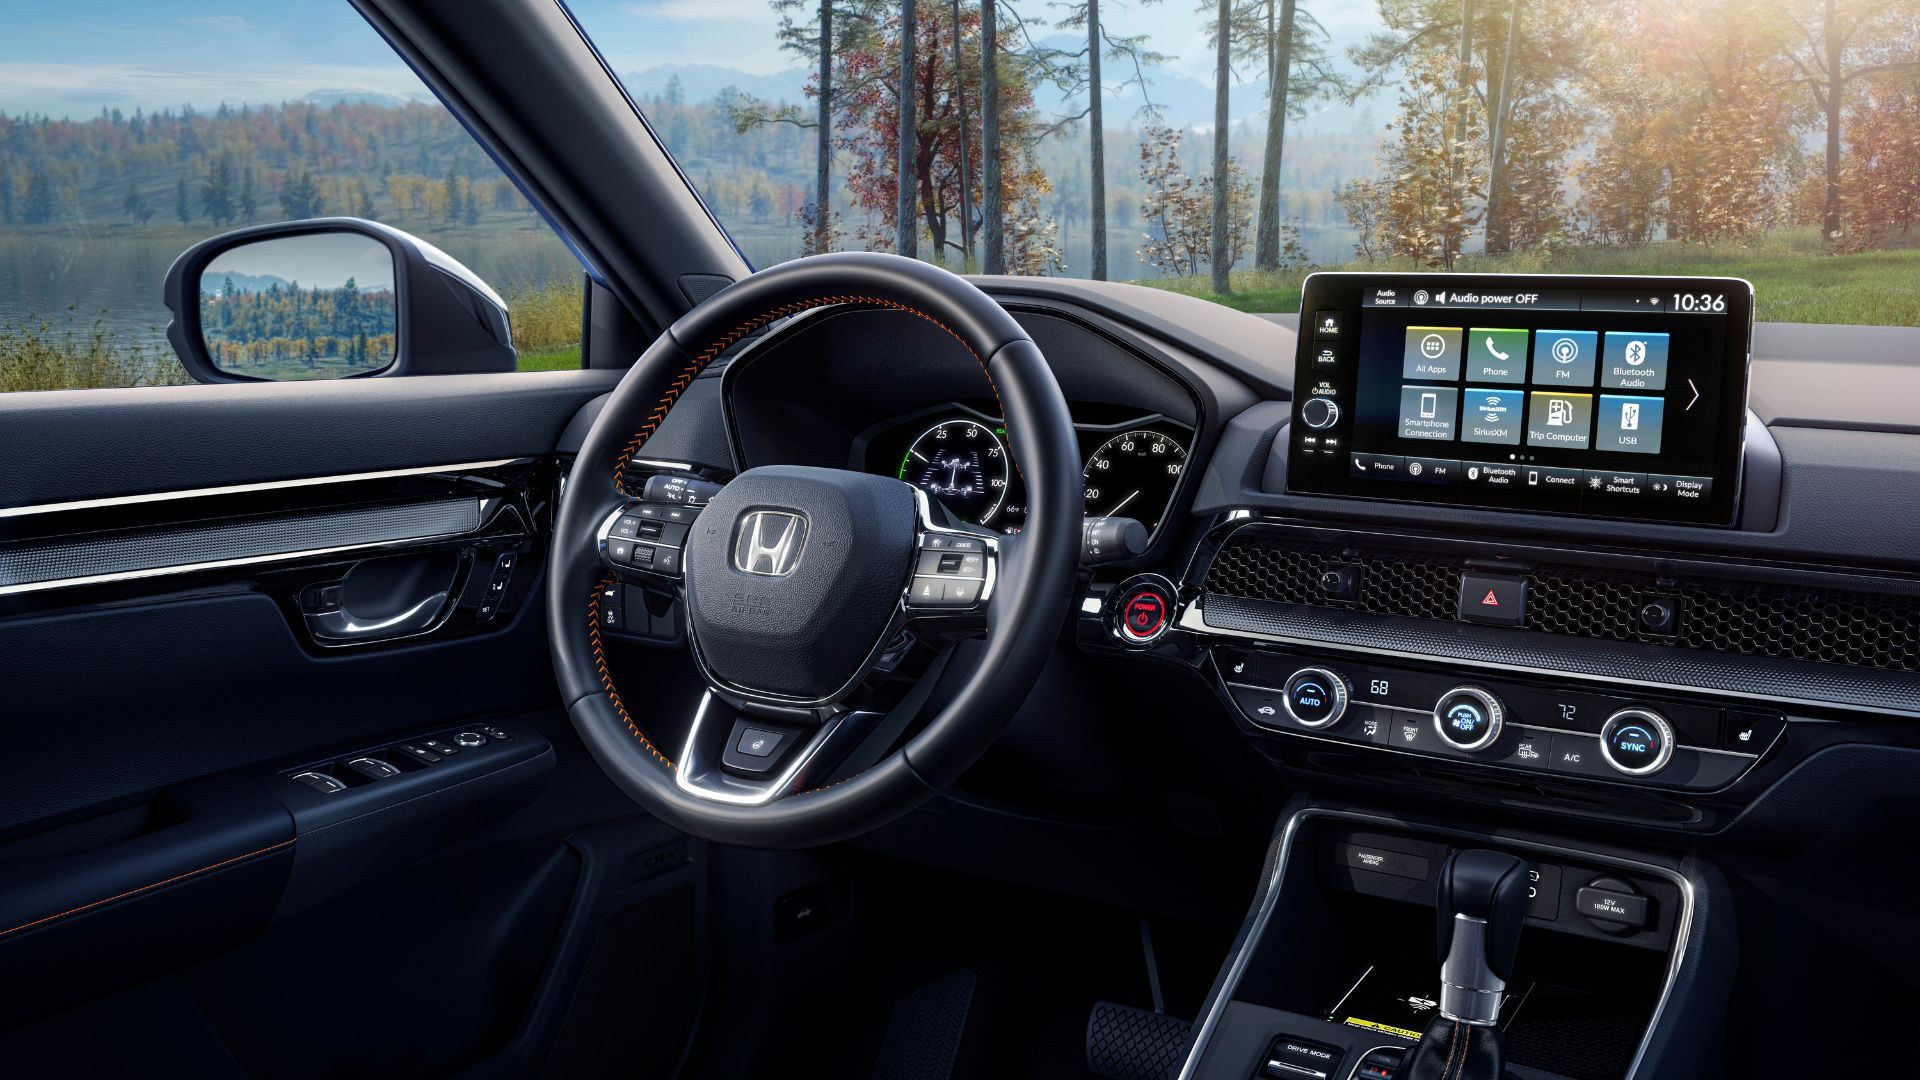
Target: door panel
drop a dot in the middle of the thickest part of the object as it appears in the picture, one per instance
(222, 638)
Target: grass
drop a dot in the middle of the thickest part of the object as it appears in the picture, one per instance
(546, 324)
(44, 355)
(564, 358)
(1793, 277)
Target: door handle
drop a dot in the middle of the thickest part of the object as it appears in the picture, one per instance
(343, 625)
(382, 599)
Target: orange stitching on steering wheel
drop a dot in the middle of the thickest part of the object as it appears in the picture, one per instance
(666, 403)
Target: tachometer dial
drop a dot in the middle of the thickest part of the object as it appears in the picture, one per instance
(963, 464)
(1133, 475)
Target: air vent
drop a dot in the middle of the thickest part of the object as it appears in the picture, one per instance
(1819, 625)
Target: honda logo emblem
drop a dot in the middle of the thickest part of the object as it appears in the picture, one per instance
(769, 543)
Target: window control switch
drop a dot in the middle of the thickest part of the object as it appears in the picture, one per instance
(320, 782)
(374, 768)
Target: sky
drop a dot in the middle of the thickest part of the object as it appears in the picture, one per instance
(72, 58)
(325, 260)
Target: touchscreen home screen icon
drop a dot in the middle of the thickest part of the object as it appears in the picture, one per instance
(1427, 412)
(1564, 357)
(1432, 352)
(1496, 356)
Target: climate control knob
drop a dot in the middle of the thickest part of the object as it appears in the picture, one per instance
(1468, 718)
(1637, 742)
(1319, 413)
(1315, 697)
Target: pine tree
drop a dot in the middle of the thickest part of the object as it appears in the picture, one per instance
(180, 208)
(39, 208)
(136, 204)
(249, 206)
(216, 192)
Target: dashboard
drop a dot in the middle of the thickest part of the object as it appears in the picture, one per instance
(958, 455)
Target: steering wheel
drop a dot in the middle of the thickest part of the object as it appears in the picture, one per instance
(803, 586)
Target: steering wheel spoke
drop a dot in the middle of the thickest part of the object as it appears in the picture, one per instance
(753, 756)
(645, 542)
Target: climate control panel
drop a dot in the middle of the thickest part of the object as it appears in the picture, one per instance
(1507, 723)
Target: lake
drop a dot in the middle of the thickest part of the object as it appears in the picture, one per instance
(116, 275)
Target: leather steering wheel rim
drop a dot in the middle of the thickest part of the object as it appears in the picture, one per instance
(1024, 615)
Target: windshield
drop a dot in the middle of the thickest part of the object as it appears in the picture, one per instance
(1775, 140)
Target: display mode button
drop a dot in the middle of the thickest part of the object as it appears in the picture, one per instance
(1680, 488)
(1379, 466)
(1433, 470)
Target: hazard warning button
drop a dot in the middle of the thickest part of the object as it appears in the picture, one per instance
(1492, 598)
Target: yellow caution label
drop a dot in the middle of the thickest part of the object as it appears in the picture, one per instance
(1372, 1025)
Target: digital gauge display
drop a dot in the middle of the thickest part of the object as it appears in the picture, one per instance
(963, 464)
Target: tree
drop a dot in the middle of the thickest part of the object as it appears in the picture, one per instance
(180, 208)
(454, 211)
(906, 230)
(1223, 39)
(1883, 168)
(216, 190)
(993, 255)
(1180, 213)
(868, 132)
(136, 204)
(39, 203)
(1085, 15)
(1299, 70)
(300, 197)
(1830, 53)
(249, 205)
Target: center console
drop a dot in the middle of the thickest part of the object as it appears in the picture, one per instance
(1336, 974)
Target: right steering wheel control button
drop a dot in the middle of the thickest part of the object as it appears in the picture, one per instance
(1637, 742)
(1468, 718)
(1315, 697)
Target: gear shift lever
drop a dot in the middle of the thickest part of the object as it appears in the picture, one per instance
(1482, 906)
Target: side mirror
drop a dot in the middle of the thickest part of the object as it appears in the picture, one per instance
(331, 298)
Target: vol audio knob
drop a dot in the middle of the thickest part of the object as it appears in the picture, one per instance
(1319, 413)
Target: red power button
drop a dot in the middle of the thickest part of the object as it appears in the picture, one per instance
(1143, 612)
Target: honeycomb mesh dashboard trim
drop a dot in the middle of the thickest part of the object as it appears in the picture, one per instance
(1649, 665)
(1816, 625)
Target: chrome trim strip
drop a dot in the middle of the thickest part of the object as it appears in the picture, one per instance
(218, 564)
(692, 770)
(238, 489)
(1236, 968)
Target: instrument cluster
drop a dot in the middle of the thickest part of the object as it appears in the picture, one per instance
(959, 457)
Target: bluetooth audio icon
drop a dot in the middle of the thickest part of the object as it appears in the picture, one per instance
(1636, 353)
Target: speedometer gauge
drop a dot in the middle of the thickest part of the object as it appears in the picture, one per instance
(1133, 475)
(963, 464)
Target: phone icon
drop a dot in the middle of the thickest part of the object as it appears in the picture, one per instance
(1429, 406)
(1497, 354)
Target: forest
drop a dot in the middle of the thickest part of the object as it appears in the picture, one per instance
(1544, 132)
(321, 332)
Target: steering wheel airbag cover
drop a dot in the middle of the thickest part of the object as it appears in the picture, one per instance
(802, 633)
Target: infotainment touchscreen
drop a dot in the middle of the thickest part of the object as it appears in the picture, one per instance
(1606, 396)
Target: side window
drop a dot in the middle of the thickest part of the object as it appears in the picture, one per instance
(112, 163)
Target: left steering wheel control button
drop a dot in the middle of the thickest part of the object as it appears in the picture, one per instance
(684, 490)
